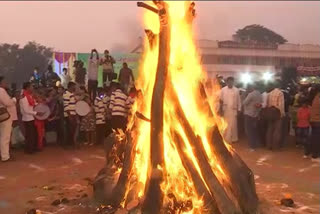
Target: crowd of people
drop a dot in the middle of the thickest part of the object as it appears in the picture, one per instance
(269, 113)
(48, 102)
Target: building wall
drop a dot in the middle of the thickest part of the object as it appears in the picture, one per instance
(229, 57)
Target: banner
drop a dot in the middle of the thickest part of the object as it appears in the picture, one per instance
(308, 71)
(132, 59)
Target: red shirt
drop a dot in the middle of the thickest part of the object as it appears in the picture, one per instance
(303, 117)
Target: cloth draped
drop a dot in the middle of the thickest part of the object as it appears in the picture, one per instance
(29, 97)
(231, 104)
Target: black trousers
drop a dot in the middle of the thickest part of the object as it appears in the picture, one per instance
(100, 133)
(92, 88)
(58, 127)
(108, 127)
(119, 122)
(315, 136)
(31, 136)
(71, 131)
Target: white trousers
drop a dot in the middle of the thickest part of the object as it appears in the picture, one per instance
(231, 132)
(5, 134)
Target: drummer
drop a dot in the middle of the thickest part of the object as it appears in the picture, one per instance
(70, 116)
(26, 105)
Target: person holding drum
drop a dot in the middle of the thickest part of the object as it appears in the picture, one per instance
(27, 104)
(70, 116)
(40, 121)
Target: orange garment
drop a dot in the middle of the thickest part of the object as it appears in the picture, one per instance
(303, 116)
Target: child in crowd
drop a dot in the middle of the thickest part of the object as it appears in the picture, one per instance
(88, 123)
(303, 126)
(100, 110)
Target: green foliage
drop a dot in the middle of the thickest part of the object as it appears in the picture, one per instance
(288, 75)
(258, 34)
(17, 64)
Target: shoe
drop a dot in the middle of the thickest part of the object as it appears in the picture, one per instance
(305, 156)
(9, 160)
(252, 150)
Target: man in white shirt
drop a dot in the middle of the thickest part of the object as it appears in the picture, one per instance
(231, 105)
(93, 66)
(5, 126)
(65, 78)
(26, 106)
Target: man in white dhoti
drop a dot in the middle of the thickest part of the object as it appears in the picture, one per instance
(231, 104)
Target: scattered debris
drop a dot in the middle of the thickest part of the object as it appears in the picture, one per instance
(76, 187)
(262, 161)
(41, 198)
(39, 168)
(288, 202)
(84, 195)
(97, 157)
(308, 168)
(64, 201)
(48, 188)
(77, 160)
(56, 202)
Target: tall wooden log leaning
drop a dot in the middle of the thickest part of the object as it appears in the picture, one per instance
(240, 176)
(154, 196)
(241, 180)
(120, 189)
(210, 204)
(224, 203)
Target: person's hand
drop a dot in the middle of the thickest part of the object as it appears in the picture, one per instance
(40, 114)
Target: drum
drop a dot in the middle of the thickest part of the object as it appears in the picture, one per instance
(42, 108)
(82, 108)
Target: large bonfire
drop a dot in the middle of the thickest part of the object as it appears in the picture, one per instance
(176, 161)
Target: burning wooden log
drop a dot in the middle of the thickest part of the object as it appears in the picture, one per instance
(120, 189)
(154, 195)
(209, 201)
(224, 203)
(240, 176)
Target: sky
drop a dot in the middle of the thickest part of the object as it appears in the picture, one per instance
(72, 26)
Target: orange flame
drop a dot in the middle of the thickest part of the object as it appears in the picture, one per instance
(185, 73)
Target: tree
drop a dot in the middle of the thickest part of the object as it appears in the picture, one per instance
(258, 34)
(17, 64)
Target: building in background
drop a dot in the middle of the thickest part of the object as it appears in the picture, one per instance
(230, 58)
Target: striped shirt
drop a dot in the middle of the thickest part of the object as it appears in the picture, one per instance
(276, 99)
(69, 103)
(118, 103)
(100, 111)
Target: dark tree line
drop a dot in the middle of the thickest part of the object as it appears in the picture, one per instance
(258, 34)
(17, 63)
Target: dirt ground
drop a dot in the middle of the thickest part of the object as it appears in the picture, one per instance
(35, 181)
